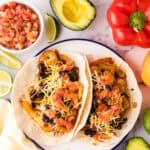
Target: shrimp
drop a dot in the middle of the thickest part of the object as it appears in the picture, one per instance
(47, 127)
(68, 63)
(49, 57)
(75, 87)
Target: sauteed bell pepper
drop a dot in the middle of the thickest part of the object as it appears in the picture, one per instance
(130, 22)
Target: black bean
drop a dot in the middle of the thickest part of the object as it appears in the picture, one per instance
(109, 87)
(41, 67)
(104, 101)
(42, 84)
(47, 107)
(45, 118)
(62, 73)
(90, 132)
(38, 95)
(33, 105)
(102, 70)
(43, 75)
(51, 121)
(124, 120)
(119, 126)
(69, 103)
(58, 114)
(94, 106)
(73, 74)
(117, 123)
(124, 94)
(33, 92)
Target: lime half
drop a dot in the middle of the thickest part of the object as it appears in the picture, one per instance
(51, 28)
(5, 83)
(146, 120)
(9, 60)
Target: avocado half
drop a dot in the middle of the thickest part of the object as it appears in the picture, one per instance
(74, 14)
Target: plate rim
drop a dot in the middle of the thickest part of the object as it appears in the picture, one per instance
(79, 39)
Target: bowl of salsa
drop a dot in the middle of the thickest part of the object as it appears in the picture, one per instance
(21, 26)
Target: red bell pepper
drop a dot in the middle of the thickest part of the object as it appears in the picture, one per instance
(130, 22)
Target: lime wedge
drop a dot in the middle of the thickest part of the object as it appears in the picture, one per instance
(51, 28)
(9, 60)
(146, 120)
(5, 83)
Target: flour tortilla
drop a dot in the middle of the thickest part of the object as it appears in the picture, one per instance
(23, 80)
(132, 115)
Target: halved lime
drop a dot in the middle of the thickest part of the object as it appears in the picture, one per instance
(5, 83)
(51, 28)
(9, 60)
(146, 120)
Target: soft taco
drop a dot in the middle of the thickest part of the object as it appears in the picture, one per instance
(115, 98)
(49, 95)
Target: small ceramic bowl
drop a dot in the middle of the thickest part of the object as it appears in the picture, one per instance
(41, 20)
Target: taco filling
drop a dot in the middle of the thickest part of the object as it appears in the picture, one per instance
(54, 98)
(111, 100)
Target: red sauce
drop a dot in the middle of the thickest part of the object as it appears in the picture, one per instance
(19, 26)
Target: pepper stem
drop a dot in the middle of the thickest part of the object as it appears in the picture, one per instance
(137, 20)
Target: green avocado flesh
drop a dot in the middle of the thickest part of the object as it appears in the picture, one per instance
(74, 14)
(137, 143)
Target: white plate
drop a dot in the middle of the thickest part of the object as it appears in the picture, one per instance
(94, 50)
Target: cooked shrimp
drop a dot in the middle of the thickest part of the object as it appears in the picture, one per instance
(68, 63)
(49, 57)
(47, 127)
(75, 87)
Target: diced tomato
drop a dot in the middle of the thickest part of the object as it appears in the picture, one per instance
(51, 113)
(58, 101)
(60, 91)
(64, 78)
(103, 117)
(3, 7)
(62, 122)
(34, 16)
(96, 93)
(114, 110)
(105, 93)
(18, 20)
(68, 125)
(35, 34)
(102, 107)
(100, 137)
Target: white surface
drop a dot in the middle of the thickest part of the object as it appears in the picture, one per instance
(99, 31)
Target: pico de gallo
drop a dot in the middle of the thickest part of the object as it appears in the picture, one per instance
(19, 26)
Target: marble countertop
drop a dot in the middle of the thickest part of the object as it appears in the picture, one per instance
(101, 32)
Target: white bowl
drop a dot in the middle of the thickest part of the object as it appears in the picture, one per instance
(41, 27)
